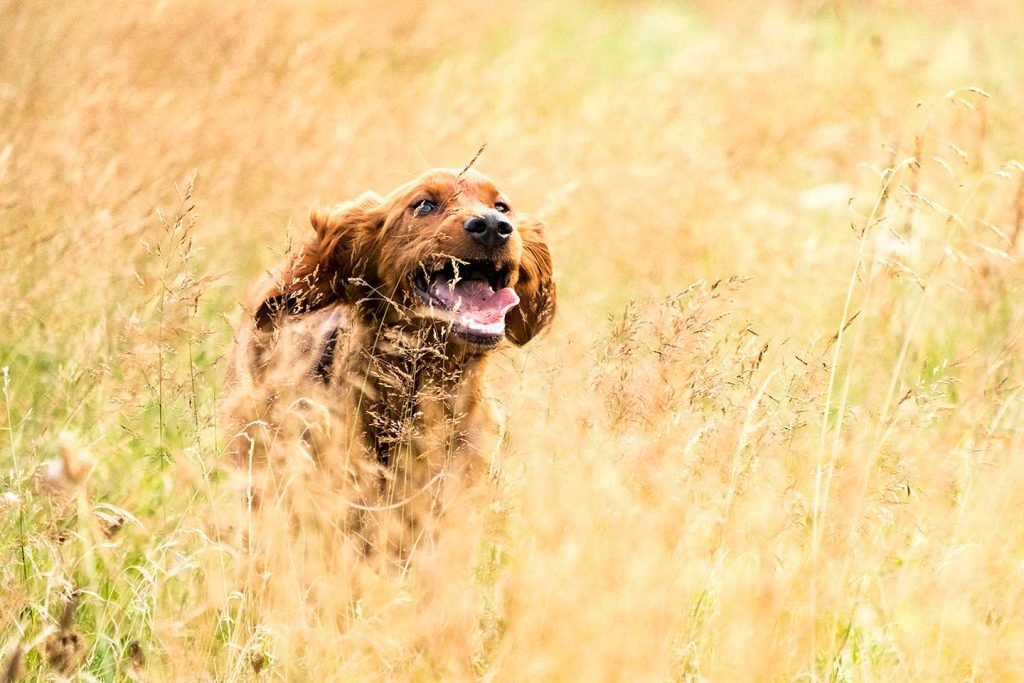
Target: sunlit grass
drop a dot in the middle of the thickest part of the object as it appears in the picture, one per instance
(774, 434)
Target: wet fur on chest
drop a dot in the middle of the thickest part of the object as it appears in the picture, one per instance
(411, 397)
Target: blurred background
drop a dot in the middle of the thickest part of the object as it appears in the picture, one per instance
(805, 471)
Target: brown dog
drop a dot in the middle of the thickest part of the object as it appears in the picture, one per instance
(383, 323)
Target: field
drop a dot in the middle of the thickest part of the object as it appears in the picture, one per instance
(775, 434)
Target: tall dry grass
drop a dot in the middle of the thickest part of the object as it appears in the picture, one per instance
(775, 433)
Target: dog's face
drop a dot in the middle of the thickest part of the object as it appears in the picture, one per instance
(448, 249)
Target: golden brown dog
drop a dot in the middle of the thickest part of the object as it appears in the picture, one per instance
(377, 333)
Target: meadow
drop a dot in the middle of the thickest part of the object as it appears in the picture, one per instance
(775, 433)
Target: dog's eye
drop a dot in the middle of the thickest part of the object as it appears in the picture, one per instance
(423, 207)
(502, 207)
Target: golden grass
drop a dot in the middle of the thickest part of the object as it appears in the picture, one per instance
(775, 433)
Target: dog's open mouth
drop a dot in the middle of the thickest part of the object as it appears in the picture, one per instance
(473, 296)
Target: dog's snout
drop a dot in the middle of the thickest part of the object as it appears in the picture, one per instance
(489, 229)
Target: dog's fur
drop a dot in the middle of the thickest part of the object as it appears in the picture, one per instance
(350, 329)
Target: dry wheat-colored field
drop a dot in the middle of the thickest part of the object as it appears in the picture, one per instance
(776, 433)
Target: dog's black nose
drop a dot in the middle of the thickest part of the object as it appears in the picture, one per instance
(489, 229)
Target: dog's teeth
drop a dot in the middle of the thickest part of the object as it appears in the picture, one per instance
(487, 329)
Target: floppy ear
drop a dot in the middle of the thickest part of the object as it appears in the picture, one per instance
(535, 287)
(332, 266)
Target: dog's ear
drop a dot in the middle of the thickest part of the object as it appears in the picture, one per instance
(332, 266)
(535, 287)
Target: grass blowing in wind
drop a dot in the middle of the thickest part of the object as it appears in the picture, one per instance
(773, 433)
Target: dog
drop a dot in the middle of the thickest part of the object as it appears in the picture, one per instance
(377, 333)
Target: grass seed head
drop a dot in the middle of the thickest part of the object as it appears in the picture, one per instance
(68, 471)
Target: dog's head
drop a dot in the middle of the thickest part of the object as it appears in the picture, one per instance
(447, 249)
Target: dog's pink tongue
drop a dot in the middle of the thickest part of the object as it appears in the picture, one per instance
(481, 303)
(475, 300)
